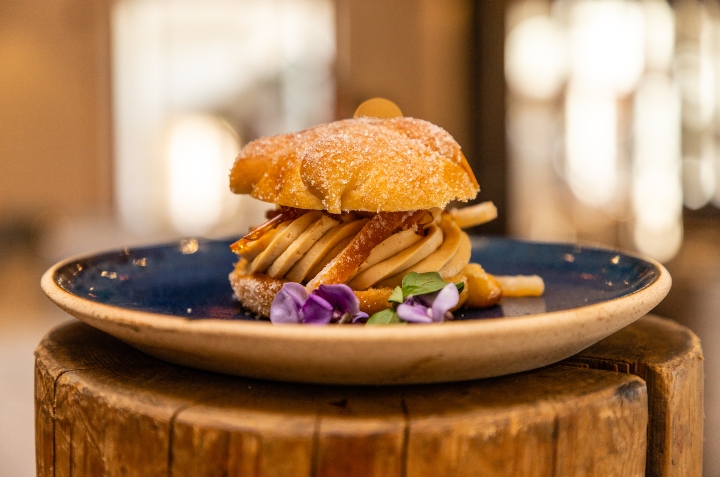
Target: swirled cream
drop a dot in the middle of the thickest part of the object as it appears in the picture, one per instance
(298, 249)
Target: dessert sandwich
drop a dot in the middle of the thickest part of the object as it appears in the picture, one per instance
(361, 202)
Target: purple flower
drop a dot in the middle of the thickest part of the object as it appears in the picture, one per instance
(429, 308)
(326, 304)
(287, 305)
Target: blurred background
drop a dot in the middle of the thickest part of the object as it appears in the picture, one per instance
(585, 120)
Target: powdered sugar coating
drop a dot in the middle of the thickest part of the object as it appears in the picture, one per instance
(366, 164)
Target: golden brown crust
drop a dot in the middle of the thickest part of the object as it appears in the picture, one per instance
(257, 291)
(481, 289)
(366, 164)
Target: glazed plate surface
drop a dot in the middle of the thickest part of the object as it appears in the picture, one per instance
(174, 302)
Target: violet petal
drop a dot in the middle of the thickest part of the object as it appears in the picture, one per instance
(413, 300)
(317, 310)
(340, 297)
(360, 317)
(413, 313)
(297, 291)
(446, 299)
(426, 299)
(287, 304)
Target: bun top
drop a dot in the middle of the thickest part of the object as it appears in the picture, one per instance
(365, 164)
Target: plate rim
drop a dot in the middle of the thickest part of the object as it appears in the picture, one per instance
(76, 305)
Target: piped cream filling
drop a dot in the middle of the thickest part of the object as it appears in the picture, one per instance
(299, 249)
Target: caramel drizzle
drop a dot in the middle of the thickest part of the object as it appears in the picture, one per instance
(377, 229)
(276, 218)
(420, 222)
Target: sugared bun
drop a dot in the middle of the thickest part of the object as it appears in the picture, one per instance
(359, 164)
(360, 202)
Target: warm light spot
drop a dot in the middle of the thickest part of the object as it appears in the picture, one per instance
(656, 123)
(200, 151)
(659, 34)
(695, 65)
(607, 44)
(656, 183)
(591, 145)
(657, 197)
(661, 244)
(536, 57)
(189, 246)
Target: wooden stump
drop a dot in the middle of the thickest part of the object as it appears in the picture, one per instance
(668, 357)
(103, 408)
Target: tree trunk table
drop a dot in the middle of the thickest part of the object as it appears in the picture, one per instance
(630, 405)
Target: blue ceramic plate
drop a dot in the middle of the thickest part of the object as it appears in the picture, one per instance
(175, 302)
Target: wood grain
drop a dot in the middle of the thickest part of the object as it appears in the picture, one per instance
(104, 408)
(668, 357)
(535, 423)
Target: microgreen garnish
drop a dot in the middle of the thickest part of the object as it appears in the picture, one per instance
(384, 317)
(423, 298)
(396, 296)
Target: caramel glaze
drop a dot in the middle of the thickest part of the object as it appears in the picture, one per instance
(303, 247)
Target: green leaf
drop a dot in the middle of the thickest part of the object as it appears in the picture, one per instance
(460, 286)
(396, 296)
(385, 317)
(422, 283)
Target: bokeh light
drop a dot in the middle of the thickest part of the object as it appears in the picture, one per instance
(536, 57)
(200, 151)
(636, 92)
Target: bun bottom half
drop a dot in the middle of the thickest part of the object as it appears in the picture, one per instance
(257, 291)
